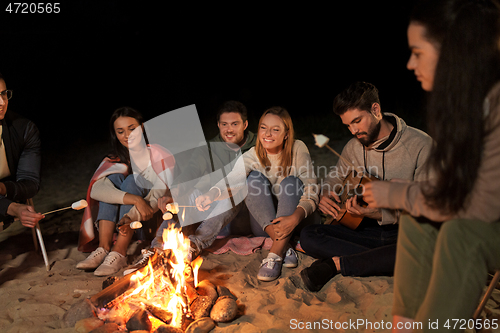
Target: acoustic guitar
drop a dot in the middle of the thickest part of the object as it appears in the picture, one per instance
(353, 185)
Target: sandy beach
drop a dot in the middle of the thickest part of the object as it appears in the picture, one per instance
(34, 300)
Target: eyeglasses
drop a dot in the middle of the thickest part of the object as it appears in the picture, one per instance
(6, 94)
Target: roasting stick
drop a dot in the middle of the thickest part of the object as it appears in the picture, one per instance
(76, 206)
(322, 141)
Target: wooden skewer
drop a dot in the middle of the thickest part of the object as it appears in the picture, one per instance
(187, 206)
(57, 210)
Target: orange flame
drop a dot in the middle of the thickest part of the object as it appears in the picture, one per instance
(158, 288)
(196, 264)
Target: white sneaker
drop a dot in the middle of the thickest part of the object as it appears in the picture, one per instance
(113, 262)
(93, 260)
(291, 260)
(141, 261)
(270, 268)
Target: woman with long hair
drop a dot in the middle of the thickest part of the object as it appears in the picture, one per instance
(279, 169)
(125, 188)
(450, 241)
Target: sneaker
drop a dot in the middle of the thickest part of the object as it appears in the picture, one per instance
(270, 268)
(141, 261)
(93, 260)
(291, 260)
(318, 274)
(113, 262)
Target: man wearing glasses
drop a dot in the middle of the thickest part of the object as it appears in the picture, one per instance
(19, 164)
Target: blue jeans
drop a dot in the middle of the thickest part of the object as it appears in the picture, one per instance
(114, 212)
(264, 205)
(367, 251)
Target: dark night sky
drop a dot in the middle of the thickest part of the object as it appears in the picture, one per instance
(76, 67)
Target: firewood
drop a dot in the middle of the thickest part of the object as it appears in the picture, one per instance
(191, 293)
(159, 313)
(139, 321)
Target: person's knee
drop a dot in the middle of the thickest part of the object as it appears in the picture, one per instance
(129, 185)
(116, 179)
(459, 235)
(257, 176)
(307, 237)
(291, 186)
(257, 183)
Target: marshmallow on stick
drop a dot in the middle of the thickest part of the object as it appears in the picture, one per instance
(167, 216)
(173, 208)
(135, 225)
(77, 205)
(321, 140)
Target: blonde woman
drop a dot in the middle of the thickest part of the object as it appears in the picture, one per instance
(282, 188)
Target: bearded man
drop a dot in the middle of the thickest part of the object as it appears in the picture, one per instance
(384, 147)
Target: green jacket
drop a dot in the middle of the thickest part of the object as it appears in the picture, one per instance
(203, 169)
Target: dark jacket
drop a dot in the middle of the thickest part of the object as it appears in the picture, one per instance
(22, 148)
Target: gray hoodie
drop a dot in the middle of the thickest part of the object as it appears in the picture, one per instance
(401, 155)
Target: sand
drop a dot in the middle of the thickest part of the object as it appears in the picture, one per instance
(35, 300)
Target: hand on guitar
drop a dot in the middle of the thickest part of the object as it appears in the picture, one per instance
(328, 204)
(356, 209)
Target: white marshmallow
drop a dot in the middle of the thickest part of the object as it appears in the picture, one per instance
(135, 225)
(173, 208)
(321, 140)
(79, 204)
(167, 216)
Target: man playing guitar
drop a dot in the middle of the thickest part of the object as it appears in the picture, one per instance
(384, 147)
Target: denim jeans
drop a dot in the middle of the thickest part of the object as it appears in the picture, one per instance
(264, 206)
(442, 268)
(367, 251)
(114, 212)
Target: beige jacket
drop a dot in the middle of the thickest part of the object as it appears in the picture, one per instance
(483, 202)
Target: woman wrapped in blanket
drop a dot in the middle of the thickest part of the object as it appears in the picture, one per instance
(450, 242)
(125, 188)
(279, 169)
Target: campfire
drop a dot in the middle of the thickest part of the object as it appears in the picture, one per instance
(165, 295)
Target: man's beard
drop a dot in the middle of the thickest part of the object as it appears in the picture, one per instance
(371, 135)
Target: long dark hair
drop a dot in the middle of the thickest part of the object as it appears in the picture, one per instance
(119, 151)
(466, 33)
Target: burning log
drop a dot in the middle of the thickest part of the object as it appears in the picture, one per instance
(162, 296)
(191, 293)
(109, 281)
(159, 313)
(101, 299)
(139, 321)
